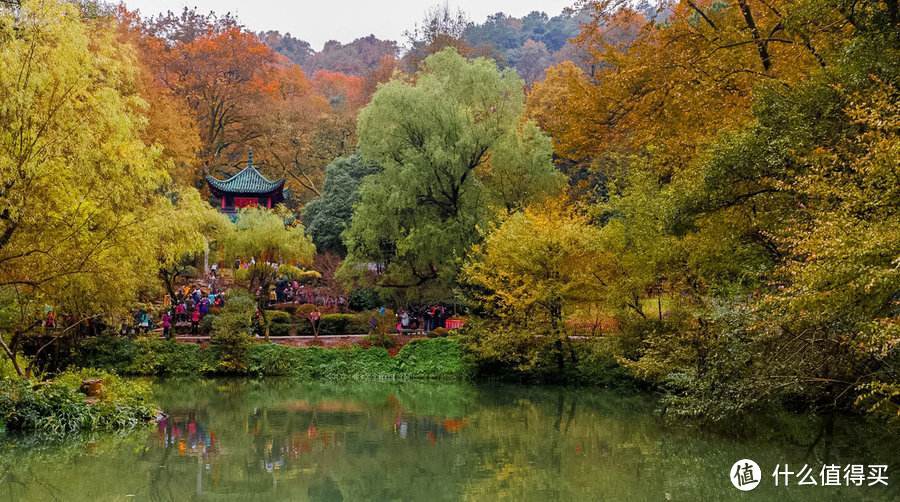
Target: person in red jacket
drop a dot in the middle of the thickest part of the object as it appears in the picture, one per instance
(195, 321)
(180, 312)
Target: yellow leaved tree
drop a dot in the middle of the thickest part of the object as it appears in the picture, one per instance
(531, 272)
(77, 182)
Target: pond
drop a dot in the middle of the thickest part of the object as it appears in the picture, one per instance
(282, 440)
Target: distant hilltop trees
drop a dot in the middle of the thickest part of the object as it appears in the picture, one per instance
(530, 44)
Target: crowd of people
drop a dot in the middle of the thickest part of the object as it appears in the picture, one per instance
(424, 319)
(286, 291)
(190, 305)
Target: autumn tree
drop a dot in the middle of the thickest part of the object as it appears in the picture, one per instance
(78, 181)
(530, 274)
(738, 143)
(345, 93)
(221, 76)
(799, 216)
(379, 75)
(215, 91)
(171, 123)
(295, 138)
(243, 95)
(667, 88)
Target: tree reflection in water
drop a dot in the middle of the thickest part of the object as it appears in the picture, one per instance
(283, 440)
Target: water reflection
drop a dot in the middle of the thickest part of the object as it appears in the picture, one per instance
(283, 440)
(187, 434)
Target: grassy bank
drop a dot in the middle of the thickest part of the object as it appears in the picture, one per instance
(58, 406)
(586, 362)
(438, 358)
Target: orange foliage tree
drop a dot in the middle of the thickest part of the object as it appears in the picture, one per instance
(344, 92)
(222, 76)
(215, 90)
(170, 122)
(289, 128)
(659, 90)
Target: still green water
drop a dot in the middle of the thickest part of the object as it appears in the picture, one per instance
(241, 440)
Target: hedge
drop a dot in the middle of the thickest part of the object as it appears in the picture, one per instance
(281, 324)
(439, 358)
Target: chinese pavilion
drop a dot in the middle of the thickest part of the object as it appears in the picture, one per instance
(247, 188)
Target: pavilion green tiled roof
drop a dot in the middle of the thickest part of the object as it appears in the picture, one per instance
(248, 181)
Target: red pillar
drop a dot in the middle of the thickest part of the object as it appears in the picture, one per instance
(223, 201)
(269, 203)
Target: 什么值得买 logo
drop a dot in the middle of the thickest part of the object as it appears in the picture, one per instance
(745, 474)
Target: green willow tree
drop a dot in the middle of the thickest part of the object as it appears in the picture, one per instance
(455, 151)
(278, 249)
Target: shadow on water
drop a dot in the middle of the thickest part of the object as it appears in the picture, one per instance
(279, 439)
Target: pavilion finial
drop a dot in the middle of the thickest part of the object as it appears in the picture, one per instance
(250, 158)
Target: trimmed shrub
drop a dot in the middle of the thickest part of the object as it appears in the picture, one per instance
(303, 310)
(279, 329)
(303, 327)
(290, 308)
(279, 322)
(334, 324)
(359, 324)
(278, 317)
(343, 324)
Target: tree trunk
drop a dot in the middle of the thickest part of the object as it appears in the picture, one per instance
(261, 305)
(559, 332)
(12, 357)
(761, 45)
(168, 279)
